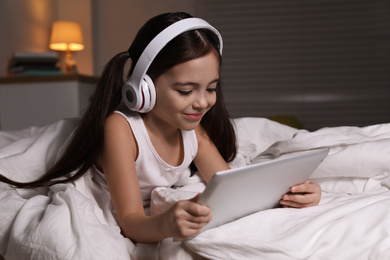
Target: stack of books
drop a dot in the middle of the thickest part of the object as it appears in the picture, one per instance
(34, 64)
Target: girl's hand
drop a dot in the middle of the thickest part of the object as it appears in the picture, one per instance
(303, 195)
(186, 218)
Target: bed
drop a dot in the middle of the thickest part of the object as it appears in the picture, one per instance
(74, 221)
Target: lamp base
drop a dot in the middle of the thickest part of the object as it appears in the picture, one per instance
(70, 65)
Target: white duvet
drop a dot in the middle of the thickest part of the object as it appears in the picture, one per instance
(74, 221)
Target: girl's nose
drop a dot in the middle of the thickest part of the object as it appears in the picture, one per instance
(200, 101)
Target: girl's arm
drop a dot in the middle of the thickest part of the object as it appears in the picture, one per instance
(208, 159)
(117, 160)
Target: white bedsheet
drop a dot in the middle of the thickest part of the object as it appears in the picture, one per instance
(74, 221)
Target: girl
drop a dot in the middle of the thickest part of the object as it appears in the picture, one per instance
(135, 152)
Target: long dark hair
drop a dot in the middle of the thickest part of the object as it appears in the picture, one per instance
(87, 140)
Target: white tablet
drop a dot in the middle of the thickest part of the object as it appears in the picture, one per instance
(236, 193)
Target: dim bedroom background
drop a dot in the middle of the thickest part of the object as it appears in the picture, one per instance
(319, 68)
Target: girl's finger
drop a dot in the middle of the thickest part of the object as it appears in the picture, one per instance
(307, 187)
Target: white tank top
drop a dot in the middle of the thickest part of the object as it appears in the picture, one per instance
(152, 171)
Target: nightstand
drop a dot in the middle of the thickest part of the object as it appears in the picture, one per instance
(41, 100)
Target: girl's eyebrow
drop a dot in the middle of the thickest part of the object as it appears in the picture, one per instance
(189, 83)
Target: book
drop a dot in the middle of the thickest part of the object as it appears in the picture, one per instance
(21, 68)
(32, 58)
(35, 55)
(39, 73)
(34, 63)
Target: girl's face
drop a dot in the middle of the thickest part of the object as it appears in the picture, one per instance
(186, 92)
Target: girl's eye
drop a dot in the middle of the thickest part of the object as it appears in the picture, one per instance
(212, 89)
(184, 92)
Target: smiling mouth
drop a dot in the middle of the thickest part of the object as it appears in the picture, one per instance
(194, 116)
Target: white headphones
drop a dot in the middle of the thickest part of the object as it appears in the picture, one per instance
(139, 92)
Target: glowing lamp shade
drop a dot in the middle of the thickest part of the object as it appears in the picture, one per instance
(67, 36)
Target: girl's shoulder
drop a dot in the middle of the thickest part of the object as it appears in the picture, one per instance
(128, 115)
(117, 126)
(117, 138)
(115, 120)
(118, 135)
(123, 118)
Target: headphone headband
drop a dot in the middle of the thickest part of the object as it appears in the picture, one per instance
(151, 51)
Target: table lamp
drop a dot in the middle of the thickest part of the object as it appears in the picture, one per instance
(67, 36)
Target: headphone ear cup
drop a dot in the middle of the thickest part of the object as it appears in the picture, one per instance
(143, 101)
(149, 91)
(129, 96)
